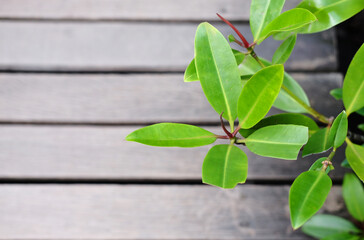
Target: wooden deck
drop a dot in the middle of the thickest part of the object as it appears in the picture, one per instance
(77, 76)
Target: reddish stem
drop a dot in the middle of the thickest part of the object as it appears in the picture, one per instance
(246, 44)
(236, 131)
(223, 127)
(222, 137)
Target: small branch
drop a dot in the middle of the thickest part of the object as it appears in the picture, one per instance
(246, 43)
(309, 109)
(328, 160)
(236, 130)
(221, 137)
(224, 128)
(254, 55)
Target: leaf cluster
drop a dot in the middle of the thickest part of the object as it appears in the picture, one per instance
(242, 88)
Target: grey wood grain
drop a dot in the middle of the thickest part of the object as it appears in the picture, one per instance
(134, 98)
(132, 46)
(180, 10)
(80, 152)
(149, 212)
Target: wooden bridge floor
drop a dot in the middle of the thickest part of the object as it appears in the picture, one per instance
(77, 76)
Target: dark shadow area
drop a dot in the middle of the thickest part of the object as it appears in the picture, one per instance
(350, 35)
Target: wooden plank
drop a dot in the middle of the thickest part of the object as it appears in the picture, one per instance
(120, 46)
(101, 153)
(134, 98)
(149, 212)
(177, 10)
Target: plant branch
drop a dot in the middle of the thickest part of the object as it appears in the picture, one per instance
(309, 109)
(224, 128)
(327, 162)
(246, 43)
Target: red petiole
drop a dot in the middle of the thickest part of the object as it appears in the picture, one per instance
(245, 42)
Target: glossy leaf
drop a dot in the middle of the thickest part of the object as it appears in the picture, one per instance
(353, 88)
(353, 194)
(225, 166)
(191, 74)
(283, 52)
(307, 195)
(172, 135)
(355, 156)
(339, 130)
(342, 236)
(258, 95)
(329, 12)
(337, 93)
(217, 70)
(280, 36)
(262, 12)
(283, 118)
(317, 165)
(239, 56)
(288, 21)
(278, 141)
(360, 111)
(246, 77)
(324, 225)
(361, 127)
(284, 101)
(318, 142)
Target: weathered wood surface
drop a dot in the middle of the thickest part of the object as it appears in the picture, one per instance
(149, 212)
(79, 152)
(131, 46)
(176, 10)
(134, 98)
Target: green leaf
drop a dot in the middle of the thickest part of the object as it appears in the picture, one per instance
(317, 165)
(239, 56)
(262, 12)
(283, 52)
(339, 129)
(284, 101)
(307, 195)
(353, 89)
(353, 194)
(231, 38)
(337, 93)
(288, 21)
(246, 77)
(172, 135)
(329, 12)
(355, 155)
(280, 36)
(225, 166)
(278, 141)
(318, 142)
(283, 118)
(324, 225)
(191, 74)
(360, 111)
(361, 127)
(217, 70)
(341, 236)
(258, 95)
